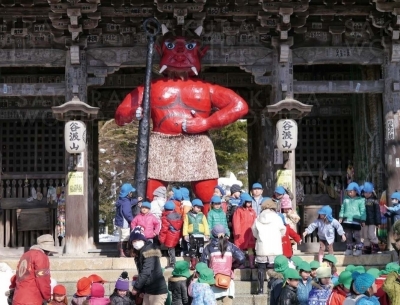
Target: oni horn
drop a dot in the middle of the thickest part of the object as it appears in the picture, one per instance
(164, 29)
(198, 30)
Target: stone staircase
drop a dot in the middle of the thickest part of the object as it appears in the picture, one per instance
(67, 270)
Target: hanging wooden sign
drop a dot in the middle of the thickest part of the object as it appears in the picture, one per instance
(75, 137)
(286, 135)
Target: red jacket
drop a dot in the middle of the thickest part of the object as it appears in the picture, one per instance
(337, 296)
(171, 226)
(33, 278)
(242, 221)
(286, 244)
(382, 295)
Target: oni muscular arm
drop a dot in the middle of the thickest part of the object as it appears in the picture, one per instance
(231, 108)
(126, 110)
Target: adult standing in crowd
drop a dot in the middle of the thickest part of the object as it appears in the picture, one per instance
(257, 195)
(33, 273)
(150, 281)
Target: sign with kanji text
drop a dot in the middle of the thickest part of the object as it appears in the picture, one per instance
(284, 178)
(286, 135)
(75, 183)
(75, 137)
(390, 129)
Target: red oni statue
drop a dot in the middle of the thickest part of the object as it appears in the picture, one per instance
(183, 109)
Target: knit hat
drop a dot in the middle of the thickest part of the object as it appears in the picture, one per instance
(185, 193)
(324, 271)
(280, 190)
(345, 279)
(181, 269)
(218, 230)
(59, 289)
(161, 191)
(146, 204)
(296, 261)
(281, 263)
(235, 188)
(290, 273)
(314, 265)
(350, 268)
(123, 282)
(374, 272)
(200, 266)
(305, 266)
(245, 197)
(353, 186)
(327, 211)
(362, 281)
(46, 243)
(256, 186)
(94, 278)
(268, 204)
(215, 199)
(137, 234)
(97, 290)
(330, 258)
(286, 203)
(206, 276)
(368, 187)
(169, 205)
(220, 189)
(177, 194)
(391, 267)
(197, 203)
(83, 287)
(126, 188)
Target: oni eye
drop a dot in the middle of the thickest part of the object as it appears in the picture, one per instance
(169, 45)
(190, 45)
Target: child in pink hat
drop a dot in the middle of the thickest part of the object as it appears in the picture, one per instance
(291, 217)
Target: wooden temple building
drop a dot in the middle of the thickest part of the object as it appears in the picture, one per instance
(340, 56)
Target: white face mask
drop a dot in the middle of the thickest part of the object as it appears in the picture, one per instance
(138, 244)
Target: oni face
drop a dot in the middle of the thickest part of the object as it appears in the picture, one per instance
(181, 54)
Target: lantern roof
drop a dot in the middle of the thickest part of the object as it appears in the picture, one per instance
(289, 108)
(75, 109)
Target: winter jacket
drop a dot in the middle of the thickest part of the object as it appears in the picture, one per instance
(128, 299)
(77, 300)
(363, 300)
(326, 230)
(353, 209)
(33, 278)
(319, 294)
(222, 264)
(381, 294)
(195, 224)
(97, 296)
(149, 222)
(150, 279)
(97, 301)
(275, 283)
(171, 228)
(179, 290)
(202, 294)
(243, 220)
(268, 229)
(233, 204)
(54, 302)
(288, 296)
(124, 211)
(303, 290)
(392, 287)
(157, 207)
(215, 217)
(394, 212)
(337, 296)
(373, 211)
(287, 248)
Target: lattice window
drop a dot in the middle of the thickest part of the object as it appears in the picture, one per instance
(326, 142)
(28, 147)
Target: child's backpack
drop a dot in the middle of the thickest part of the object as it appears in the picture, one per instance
(352, 300)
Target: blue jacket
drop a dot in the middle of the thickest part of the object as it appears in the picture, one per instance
(256, 204)
(124, 211)
(394, 212)
(303, 290)
(326, 231)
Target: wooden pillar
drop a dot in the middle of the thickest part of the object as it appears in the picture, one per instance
(76, 212)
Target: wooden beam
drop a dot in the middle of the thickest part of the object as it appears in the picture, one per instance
(15, 89)
(21, 203)
(340, 10)
(32, 58)
(338, 87)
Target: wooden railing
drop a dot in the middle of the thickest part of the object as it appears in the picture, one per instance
(15, 191)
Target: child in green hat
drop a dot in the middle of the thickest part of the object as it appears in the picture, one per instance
(341, 290)
(177, 283)
(331, 260)
(201, 291)
(289, 291)
(305, 284)
(276, 278)
(314, 266)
